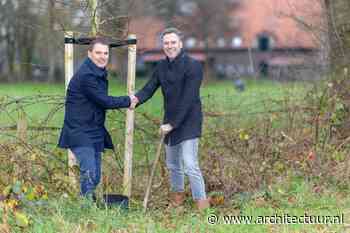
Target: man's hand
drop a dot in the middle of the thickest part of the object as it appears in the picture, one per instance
(165, 129)
(134, 100)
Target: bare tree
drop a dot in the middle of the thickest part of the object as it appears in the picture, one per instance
(208, 27)
(31, 32)
(8, 37)
(167, 10)
(51, 55)
(339, 21)
(339, 36)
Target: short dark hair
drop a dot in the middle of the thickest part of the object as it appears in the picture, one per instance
(171, 30)
(98, 40)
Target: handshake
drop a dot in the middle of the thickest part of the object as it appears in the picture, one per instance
(164, 128)
(133, 101)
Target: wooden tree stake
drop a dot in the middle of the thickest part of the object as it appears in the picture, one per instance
(69, 70)
(129, 125)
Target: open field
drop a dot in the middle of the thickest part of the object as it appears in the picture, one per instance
(253, 184)
(38, 99)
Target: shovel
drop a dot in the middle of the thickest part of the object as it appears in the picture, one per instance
(155, 162)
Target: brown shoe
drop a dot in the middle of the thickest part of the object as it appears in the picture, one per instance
(203, 204)
(177, 199)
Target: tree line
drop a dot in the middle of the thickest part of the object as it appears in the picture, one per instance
(32, 31)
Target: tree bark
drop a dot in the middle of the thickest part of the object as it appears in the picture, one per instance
(339, 37)
(25, 40)
(50, 46)
(339, 21)
(9, 20)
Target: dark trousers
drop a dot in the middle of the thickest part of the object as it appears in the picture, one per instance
(90, 169)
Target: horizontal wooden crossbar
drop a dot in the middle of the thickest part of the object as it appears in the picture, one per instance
(87, 41)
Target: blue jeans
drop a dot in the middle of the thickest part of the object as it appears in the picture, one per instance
(182, 159)
(90, 168)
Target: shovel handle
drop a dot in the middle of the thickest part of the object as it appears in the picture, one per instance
(155, 162)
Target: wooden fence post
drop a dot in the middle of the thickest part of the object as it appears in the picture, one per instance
(129, 124)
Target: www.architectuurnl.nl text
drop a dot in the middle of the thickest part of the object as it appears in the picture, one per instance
(275, 219)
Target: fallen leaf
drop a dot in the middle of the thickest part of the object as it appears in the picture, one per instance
(21, 219)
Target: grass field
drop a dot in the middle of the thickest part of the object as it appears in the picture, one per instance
(290, 195)
(38, 99)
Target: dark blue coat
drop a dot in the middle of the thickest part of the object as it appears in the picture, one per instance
(180, 82)
(85, 108)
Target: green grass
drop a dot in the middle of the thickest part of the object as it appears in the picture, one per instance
(219, 96)
(294, 197)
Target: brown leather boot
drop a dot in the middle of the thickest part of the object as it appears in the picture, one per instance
(177, 198)
(203, 204)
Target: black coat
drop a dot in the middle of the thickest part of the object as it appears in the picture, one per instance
(85, 108)
(180, 82)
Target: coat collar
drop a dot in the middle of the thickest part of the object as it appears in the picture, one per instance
(100, 72)
(177, 58)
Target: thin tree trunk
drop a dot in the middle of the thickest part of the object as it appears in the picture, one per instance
(339, 21)
(50, 47)
(339, 35)
(11, 51)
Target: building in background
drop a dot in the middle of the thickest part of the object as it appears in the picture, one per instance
(281, 39)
